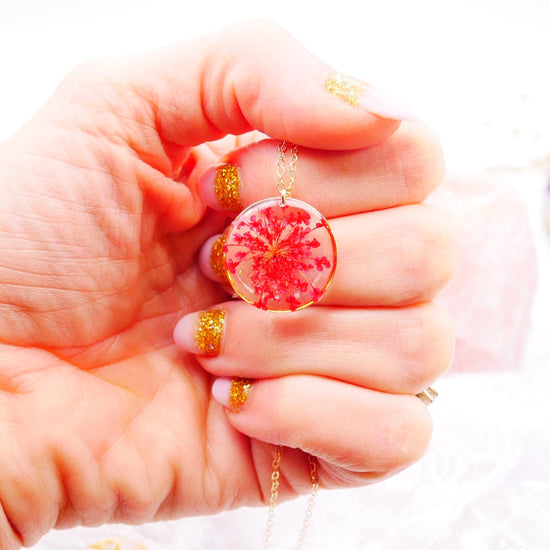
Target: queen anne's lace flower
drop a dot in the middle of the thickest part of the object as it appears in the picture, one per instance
(278, 251)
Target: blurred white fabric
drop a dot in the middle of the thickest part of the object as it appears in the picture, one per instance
(476, 71)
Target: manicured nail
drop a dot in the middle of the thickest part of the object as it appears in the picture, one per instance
(217, 259)
(220, 187)
(367, 97)
(201, 332)
(232, 393)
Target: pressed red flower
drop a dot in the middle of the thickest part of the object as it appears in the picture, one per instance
(273, 257)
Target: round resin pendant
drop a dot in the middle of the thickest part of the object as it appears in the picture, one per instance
(280, 257)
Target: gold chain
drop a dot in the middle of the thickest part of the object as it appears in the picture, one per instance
(273, 497)
(285, 188)
(275, 475)
(311, 500)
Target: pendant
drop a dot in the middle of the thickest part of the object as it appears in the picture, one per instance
(280, 255)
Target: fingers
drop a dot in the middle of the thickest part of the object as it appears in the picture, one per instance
(362, 434)
(391, 257)
(403, 169)
(250, 76)
(389, 350)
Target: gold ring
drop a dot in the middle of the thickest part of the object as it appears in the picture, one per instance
(428, 396)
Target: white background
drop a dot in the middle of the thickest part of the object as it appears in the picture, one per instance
(476, 71)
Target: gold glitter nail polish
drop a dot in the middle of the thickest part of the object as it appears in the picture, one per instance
(238, 393)
(217, 259)
(210, 331)
(227, 186)
(345, 88)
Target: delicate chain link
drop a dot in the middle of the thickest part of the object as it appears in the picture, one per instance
(274, 496)
(275, 475)
(311, 501)
(285, 188)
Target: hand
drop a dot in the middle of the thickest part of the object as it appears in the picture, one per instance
(103, 418)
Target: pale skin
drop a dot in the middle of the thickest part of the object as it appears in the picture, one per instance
(102, 416)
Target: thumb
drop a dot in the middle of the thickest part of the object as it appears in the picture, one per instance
(255, 76)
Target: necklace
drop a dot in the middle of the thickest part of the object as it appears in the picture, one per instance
(280, 254)
(275, 494)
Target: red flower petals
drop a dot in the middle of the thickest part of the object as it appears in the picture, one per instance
(280, 258)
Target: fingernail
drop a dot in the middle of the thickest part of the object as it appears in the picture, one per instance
(232, 393)
(201, 332)
(217, 259)
(220, 187)
(367, 97)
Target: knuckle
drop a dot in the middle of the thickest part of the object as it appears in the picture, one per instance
(429, 341)
(407, 436)
(88, 75)
(285, 416)
(422, 162)
(429, 250)
(99, 86)
(278, 336)
(265, 26)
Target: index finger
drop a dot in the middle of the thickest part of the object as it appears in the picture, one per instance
(249, 76)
